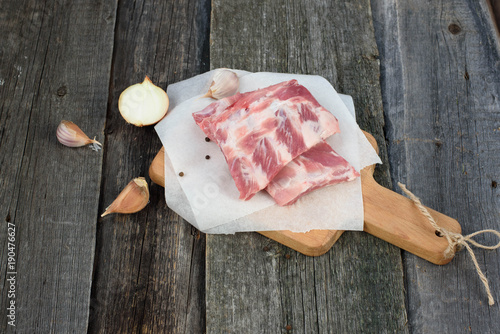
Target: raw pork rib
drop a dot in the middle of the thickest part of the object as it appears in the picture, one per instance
(318, 167)
(261, 131)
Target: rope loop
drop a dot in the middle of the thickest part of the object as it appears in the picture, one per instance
(457, 241)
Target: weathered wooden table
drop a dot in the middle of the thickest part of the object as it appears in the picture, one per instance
(425, 78)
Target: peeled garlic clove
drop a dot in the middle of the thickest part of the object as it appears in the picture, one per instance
(143, 103)
(224, 83)
(69, 134)
(133, 198)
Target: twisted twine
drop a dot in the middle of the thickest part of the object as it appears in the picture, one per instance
(456, 241)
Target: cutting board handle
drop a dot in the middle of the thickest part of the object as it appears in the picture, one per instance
(395, 219)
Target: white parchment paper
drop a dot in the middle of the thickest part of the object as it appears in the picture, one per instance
(206, 195)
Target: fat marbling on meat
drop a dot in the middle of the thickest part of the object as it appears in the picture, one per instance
(318, 167)
(260, 132)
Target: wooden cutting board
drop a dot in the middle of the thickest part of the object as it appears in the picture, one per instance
(388, 215)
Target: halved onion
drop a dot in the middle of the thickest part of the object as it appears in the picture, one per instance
(143, 103)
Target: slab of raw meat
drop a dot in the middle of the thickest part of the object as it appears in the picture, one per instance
(259, 132)
(316, 168)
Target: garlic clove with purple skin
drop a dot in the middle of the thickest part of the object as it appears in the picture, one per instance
(69, 134)
(133, 198)
(224, 83)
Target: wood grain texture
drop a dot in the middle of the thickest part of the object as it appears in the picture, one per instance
(441, 84)
(255, 285)
(49, 72)
(396, 219)
(149, 271)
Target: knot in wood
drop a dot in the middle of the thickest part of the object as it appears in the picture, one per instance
(61, 91)
(454, 28)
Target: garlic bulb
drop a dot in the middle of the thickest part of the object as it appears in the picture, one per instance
(224, 83)
(132, 198)
(143, 103)
(69, 134)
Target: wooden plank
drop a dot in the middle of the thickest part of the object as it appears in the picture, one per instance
(255, 285)
(149, 272)
(441, 85)
(55, 61)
